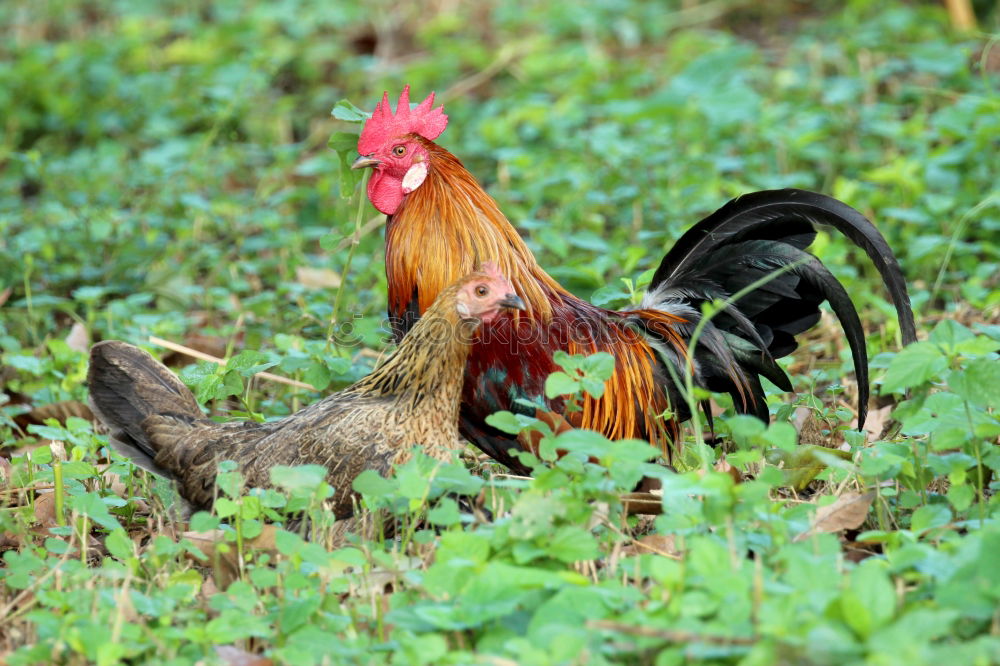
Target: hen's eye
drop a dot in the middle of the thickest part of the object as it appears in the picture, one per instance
(399, 151)
(481, 291)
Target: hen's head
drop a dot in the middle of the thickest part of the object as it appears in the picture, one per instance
(388, 145)
(483, 295)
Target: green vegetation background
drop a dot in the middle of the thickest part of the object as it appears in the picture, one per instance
(164, 171)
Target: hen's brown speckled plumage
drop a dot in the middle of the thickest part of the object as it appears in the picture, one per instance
(410, 400)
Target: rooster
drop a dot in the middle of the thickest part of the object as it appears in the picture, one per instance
(412, 399)
(441, 222)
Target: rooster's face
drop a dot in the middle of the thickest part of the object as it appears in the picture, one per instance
(398, 167)
(389, 144)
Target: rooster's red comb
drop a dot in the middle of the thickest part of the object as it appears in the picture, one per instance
(384, 124)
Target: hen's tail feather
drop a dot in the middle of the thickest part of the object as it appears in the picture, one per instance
(746, 240)
(127, 386)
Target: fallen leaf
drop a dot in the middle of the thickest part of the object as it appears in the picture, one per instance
(234, 656)
(848, 512)
(227, 569)
(45, 510)
(317, 278)
(78, 338)
(877, 422)
(724, 467)
(4, 295)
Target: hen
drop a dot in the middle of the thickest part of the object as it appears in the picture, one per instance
(441, 222)
(412, 399)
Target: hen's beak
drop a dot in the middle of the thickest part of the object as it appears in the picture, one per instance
(365, 161)
(512, 302)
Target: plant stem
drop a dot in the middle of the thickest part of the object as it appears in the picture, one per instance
(355, 240)
(57, 480)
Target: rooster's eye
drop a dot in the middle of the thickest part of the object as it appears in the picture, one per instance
(481, 291)
(399, 151)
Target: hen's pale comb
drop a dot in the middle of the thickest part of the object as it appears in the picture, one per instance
(384, 125)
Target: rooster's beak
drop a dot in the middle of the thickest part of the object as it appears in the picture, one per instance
(364, 162)
(513, 302)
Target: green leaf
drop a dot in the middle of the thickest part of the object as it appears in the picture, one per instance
(250, 362)
(960, 496)
(119, 545)
(913, 366)
(929, 516)
(95, 507)
(346, 111)
(870, 600)
(572, 544)
(209, 388)
(317, 375)
(288, 543)
(226, 507)
(463, 545)
(601, 365)
(344, 143)
(445, 513)
(949, 334)
(203, 521)
(232, 384)
(559, 383)
(979, 382)
(193, 375)
(56, 546)
(507, 422)
(301, 477)
(373, 484)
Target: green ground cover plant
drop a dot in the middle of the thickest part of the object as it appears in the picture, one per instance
(172, 173)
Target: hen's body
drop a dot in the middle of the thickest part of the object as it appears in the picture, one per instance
(410, 400)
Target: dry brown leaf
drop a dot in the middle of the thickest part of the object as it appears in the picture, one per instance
(848, 512)
(877, 422)
(78, 338)
(228, 562)
(45, 510)
(120, 488)
(10, 540)
(4, 295)
(317, 278)
(234, 656)
(724, 467)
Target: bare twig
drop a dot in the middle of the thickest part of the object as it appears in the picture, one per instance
(646, 504)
